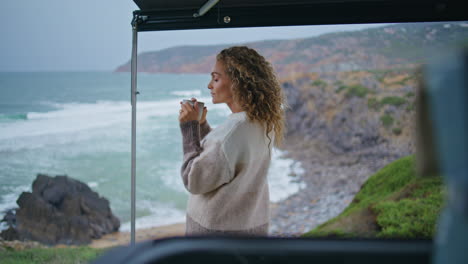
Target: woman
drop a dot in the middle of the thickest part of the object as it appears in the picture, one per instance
(225, 169)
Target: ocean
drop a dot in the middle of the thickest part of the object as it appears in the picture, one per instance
(79, 124)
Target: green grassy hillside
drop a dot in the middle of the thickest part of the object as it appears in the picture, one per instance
(393, 203)
(50, 255)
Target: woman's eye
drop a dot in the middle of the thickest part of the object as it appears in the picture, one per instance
(216, 80)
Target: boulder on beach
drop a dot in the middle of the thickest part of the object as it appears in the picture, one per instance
(62, 210)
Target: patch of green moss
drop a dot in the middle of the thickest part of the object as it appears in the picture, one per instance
(393, 100)
(357, 90)
(394, 203)
(340, 88)
(386, 181)
(413, 217)
(319, 83)
(396, 131)
(387, 120)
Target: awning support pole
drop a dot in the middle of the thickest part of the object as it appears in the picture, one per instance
(134, 94)
(205, 8)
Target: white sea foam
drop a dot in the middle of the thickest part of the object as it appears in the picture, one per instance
(160, 214)
(75, 117)
(8, 201)
(281, 180)
(93, 184)
(172, 179)
(187, 93)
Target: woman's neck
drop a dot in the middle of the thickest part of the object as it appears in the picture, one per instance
(235, 108)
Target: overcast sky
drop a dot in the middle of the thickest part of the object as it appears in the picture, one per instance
(95, 35)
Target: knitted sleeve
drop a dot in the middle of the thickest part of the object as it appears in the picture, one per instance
(204, 129)
(206, 168)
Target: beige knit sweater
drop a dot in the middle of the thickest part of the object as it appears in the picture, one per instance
(225, 171)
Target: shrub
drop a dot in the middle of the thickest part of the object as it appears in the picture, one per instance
(357, 90)
(414, 216)
(319, 83)
(409, 94)
(374, 104)
(387, 120)
(396, 131)
(340, 88)
(393, 100)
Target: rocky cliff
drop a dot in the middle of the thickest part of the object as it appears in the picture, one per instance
(354, 111)
(378, 48)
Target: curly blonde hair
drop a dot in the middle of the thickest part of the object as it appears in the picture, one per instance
(256, 88)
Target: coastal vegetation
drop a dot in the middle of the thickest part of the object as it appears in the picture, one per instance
(73, 255)
(319, 83)
(396, 130)
(392, 203)
(387, 120)
(393, 100)
(357, 90)
(375, 104)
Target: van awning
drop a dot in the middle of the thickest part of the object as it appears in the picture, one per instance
(155, 15)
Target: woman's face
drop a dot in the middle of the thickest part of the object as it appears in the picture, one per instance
(220, 85)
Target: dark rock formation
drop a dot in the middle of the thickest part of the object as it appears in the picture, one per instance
(10, 234)
(61, 210)
(10, 217)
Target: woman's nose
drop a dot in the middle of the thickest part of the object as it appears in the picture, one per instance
(209, 86)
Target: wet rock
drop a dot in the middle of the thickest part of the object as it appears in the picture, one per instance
(10, 217)
(62, 210)
(10, 234)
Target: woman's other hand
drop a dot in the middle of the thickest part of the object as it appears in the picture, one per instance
(205, 111)
(203, 118)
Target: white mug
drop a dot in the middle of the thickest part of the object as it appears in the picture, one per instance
(200, 107)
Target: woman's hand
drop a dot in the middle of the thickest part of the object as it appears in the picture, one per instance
(189, 113)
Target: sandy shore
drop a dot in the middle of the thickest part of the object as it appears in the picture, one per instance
(123, 238)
